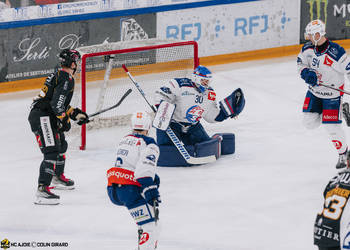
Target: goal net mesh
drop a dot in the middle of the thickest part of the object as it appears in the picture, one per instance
(101, 80)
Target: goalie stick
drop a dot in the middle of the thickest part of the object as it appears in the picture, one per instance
(114, 106)
(178, 144)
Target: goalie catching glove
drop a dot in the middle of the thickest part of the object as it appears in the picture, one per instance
(78, 115)
(233, 105)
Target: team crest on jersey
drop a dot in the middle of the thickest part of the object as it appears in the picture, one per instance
(194, 114)
(211, 96)
(328, 61)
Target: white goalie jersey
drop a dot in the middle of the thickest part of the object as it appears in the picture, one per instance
(191, 105)
(329, 65)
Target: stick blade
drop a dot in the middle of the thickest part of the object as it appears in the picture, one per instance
(201, 160)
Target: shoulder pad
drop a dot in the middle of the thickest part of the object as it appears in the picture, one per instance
(307, 45)
(148, 140)
(335, 51)
(184, 82)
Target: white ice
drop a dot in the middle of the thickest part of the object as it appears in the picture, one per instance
(264, 197)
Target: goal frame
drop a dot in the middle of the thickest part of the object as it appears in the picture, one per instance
(123, 51)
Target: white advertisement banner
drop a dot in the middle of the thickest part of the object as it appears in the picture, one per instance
(230, 28)
(75, 8)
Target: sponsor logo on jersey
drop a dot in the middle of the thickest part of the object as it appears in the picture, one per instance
(187, 93)
(121, 176)
(327, 61)
(337, 144)
(324, 232)
(144, 238)
(194, 114)
(211, 96)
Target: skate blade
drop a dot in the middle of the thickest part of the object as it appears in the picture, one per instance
(62, 187)
(43, 201)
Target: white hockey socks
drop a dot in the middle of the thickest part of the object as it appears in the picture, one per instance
(337, 136)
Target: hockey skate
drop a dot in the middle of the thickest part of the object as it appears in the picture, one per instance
(63, 183)
(343, 160)
(346, 113)
(45, 197)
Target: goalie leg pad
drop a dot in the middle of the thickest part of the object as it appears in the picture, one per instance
(169, 156)
(210, 147)
(227, 143)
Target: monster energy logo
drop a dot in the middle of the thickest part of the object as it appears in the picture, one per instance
(319, 9)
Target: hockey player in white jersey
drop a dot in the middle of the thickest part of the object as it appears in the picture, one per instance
(133, 183)
(323, 63)
(194, 99)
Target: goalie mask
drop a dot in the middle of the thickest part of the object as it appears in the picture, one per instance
(201, 77)
(68, 56)
(314, 27)
(141, 120)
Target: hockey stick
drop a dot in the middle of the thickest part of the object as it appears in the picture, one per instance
(178, 144)
(114, 106)
(330, 87)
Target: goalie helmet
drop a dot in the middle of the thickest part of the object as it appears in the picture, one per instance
(68, 56)
(141, 120)
(201, 77)
(314, 27)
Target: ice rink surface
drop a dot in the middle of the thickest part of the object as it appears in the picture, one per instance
(264, 197)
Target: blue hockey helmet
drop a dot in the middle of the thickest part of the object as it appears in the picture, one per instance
(201, 77)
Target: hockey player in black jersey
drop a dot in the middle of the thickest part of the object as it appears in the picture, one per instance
(332, 225)
(49, 118)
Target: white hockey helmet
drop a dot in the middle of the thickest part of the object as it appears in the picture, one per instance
(314, 27)
(141, 120)
(201, 77)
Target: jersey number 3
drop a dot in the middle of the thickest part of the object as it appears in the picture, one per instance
(334, 207)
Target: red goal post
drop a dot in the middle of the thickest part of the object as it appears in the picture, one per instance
(152, 61)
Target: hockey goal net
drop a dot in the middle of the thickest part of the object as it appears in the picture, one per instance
(103, 81)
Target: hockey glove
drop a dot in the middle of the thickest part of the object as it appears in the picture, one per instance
(78, 115)
(149, 190)
(63, 123)
(156, 180)
(309, 76)
(233, 105)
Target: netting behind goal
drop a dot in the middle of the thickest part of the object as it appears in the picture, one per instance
(103, 81)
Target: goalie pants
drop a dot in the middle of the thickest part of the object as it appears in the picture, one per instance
(52, 144)
(187, 133)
